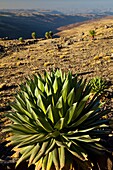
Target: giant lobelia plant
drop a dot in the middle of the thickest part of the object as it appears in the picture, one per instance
(56, 126)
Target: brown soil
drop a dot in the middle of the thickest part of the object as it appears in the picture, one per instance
(73, 51)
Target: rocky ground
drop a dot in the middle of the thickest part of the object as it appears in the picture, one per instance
(74, 50)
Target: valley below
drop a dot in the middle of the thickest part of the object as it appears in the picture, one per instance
(21, 23)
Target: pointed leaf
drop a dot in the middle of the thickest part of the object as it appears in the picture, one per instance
(49, 162)
(44, 162)
(65, 90)
(45, 124)
(62, 156)
(50, 146)
(59, 104)
(41, 152)
(56, 158)
(82, 119)
(70, 97)
(55, 85)
(34, 153)
(40, 85)
(80, 107)
(41, 104)
(49, 113)
(60, 124)
(25, 155)
(69, 114)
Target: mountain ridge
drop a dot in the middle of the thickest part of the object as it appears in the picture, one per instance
(21, 23)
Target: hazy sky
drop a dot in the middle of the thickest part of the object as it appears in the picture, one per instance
(55, 4)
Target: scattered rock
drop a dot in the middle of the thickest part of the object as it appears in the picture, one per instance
(1, 49)
(81, 39)
(5, 38)
(62, 56)
(2, 86)
(47, 63)
(106, 26)
(19, 63)
(96, 57)
(69, 42)
(82, 33)
(59, 47)
(29, 42)
(107, 57)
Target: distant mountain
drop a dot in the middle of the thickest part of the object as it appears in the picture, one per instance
(16, 23)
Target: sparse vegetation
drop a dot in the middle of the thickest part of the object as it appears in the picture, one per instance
(21, 39)
(92, 34)
(55, 125)
(33, 35)
(49, 34)
(98, 84)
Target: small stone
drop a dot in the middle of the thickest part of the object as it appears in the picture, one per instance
(2, 86)
(98, 62)
(47, 63)
(81, 39)
(62, 56)
(106, 26)
(19, 63)
(69, 42)
(96, 57)
(107, 58)
(112, 55)
(28, 56)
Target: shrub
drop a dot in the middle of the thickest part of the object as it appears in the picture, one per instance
(49, 34)
(21, 39)
(55, 125)
(92, 33)
(98, 84)
(33, 35)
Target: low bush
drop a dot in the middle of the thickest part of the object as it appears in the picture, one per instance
(33, 35)
(98, 84)
(49, 34)
(21, 39)
(92, 33)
